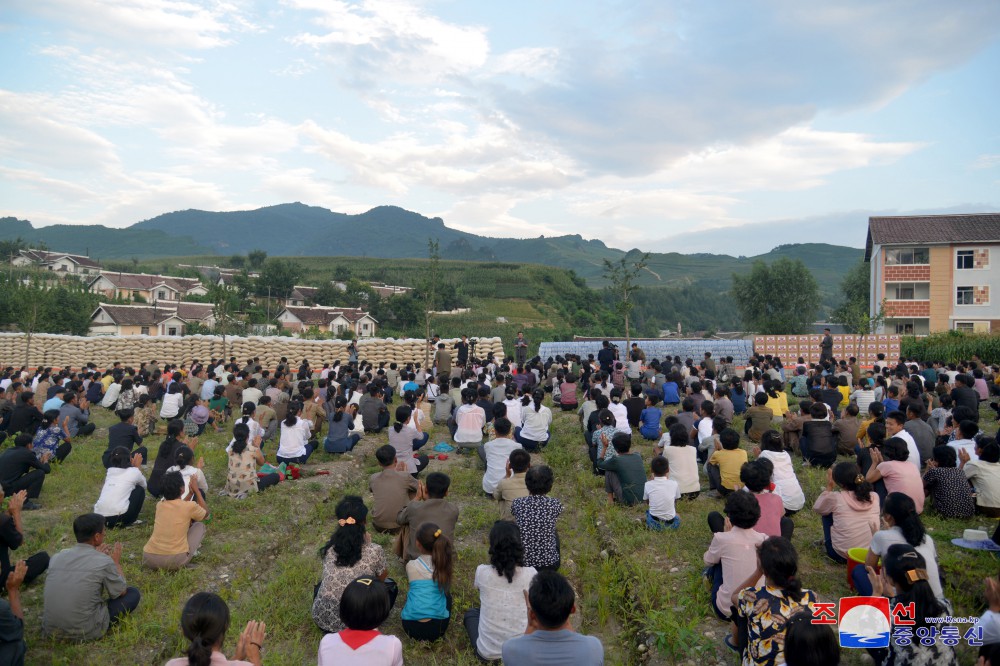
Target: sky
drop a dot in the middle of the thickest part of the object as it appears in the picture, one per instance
(664, 125)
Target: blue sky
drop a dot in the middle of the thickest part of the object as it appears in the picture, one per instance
(726, 126)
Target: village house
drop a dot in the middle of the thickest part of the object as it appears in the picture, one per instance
(150, 288)
(164, 318)
(300, 296)
(935, 272)
(58, 262)
(332, 320)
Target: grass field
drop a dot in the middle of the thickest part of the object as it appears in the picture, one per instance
(642, 593)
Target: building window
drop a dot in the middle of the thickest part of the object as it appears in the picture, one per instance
(966, 326)
(919, 326)
(966, 259)
(964, 296)
(908, 291)
(161, 295)
(144, 330)
(172, 330)
(907, 256)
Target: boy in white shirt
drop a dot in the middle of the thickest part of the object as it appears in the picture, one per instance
(660, 493)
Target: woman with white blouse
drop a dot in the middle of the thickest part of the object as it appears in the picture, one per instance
(537, 418)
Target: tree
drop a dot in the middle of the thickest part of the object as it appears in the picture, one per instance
(278, 278)
(623, 276)
(855, 312)
(432, 277)
(256, 259)
(226, 303)
(237, 261)
(29, 306)
(780, 298)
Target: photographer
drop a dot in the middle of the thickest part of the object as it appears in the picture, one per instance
(463, 351)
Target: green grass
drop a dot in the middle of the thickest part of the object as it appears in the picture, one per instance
(634, 587)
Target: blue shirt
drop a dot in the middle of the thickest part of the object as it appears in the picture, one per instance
(55, 402)
(739, 401)
(553, 648)
(670, 394)
(208, 389)
(650, 420)
(890, 405)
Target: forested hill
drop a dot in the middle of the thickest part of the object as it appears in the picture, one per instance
(389, 232)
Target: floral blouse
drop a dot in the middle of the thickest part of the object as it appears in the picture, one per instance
(767, 611)
(145, 421)
(326, 607)
(242, 477)
(46, 441)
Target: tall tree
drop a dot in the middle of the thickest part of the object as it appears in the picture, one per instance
(430, 286)
(256, 259)
(780, 298)
(623, 276)
(278, 278)
(855, 312)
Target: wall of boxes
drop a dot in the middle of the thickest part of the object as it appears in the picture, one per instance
(864, 348)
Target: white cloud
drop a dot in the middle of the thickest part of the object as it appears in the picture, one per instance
(986, 162)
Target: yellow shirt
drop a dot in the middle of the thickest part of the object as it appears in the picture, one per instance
(173, 518)
(845, 391)
(779, 405)
(730, 463)
(107, 381)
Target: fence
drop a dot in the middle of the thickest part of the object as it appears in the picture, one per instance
(740, 350)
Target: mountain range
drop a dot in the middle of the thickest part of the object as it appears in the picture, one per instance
(296, 229)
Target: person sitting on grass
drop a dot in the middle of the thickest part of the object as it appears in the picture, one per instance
(850, 513)
(11, 538)
(758, 418)
(947, 486)
(340, 424)
(79, 577)
(624, 473)
(568, 401)
(549, 639)
(897, 472)
(406, 439)
(178, 529)
(660, 493)
(536, 516)
(808, 644)
(364, 606)
(600, 447)
(124, 434)
(348, 555)
(502, 585)
(469, 421)
(182, 464)
(983, 474)
(48, 437)
(295, 444)
(427, 611)
(756, 478)
(905, 579)
(818, 445)
(513, 485)
(20, 470)
(650, 419)
(391, 490)
(12, 646)
(786, 484)
(729, 556)
(763, 611)
(243, 458)
(145, 416)
(495, 454)
(634, 404)
(682, 458)
(166, 455)
(204, 622)
(124, 490)
(902, 526)
(723, 467)
(428, 506)
(535, 432)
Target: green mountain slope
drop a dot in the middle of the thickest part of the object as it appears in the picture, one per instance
(100, 242)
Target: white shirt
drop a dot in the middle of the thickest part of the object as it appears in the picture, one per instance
(536, 424)
(380, 651)
(497, 454)
(514, 412)
(882, 539)
(704, 433)
(402, 441)
(911, 446)
(187, 473)
(786, 484)
(501, 614)
(683, 466)
(252, 394)
(293, 438)
(172, 403)
(111, 396)
(661, 493)
(990, 624)
(966, 445)
(621, 417)
(118, 485)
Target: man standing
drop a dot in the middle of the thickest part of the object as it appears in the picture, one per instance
(520, 348)
(442, 359)
(606, 357)
(826, 347)
(463, 351)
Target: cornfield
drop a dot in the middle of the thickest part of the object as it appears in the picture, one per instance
(952, 347)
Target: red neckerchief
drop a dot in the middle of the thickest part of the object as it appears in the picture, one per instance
(354, 638)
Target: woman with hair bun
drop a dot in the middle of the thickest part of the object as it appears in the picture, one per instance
(763, 612)
(204, 622)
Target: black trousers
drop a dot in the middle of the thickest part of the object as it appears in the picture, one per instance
(431, 630)
(86, 429)
(37, 564)
(32, 482)
(63, 450)
(135, 501)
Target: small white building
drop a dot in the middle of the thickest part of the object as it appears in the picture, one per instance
(57, 262)
(150, 288)
(332, 320)
(163, 319)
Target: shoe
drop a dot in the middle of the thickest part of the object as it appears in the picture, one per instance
(729, 644)
(135, 524)
(31, 505)
(713, 494)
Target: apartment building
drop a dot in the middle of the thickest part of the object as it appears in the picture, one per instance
(935, 272)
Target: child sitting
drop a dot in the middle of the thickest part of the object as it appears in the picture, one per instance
(634, 404)
(183, 465)
(427, 611)
(600, 446)
(649, 419)
(364, 606)
(723, 468)
(660, 493)
(850, 514)
(756, 478)
(683, 459)
(758, 418)
(846, 430)
(624, 474)
(513, 485)
(392, 490)
(536, 517)
(786, 484)
(729, 557)
(947, 486)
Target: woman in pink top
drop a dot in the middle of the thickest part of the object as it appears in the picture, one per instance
(897, 471)
(204, 622)
(567, 394)
(732, 555)
(850, 514)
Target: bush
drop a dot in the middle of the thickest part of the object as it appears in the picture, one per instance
(953, 346)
